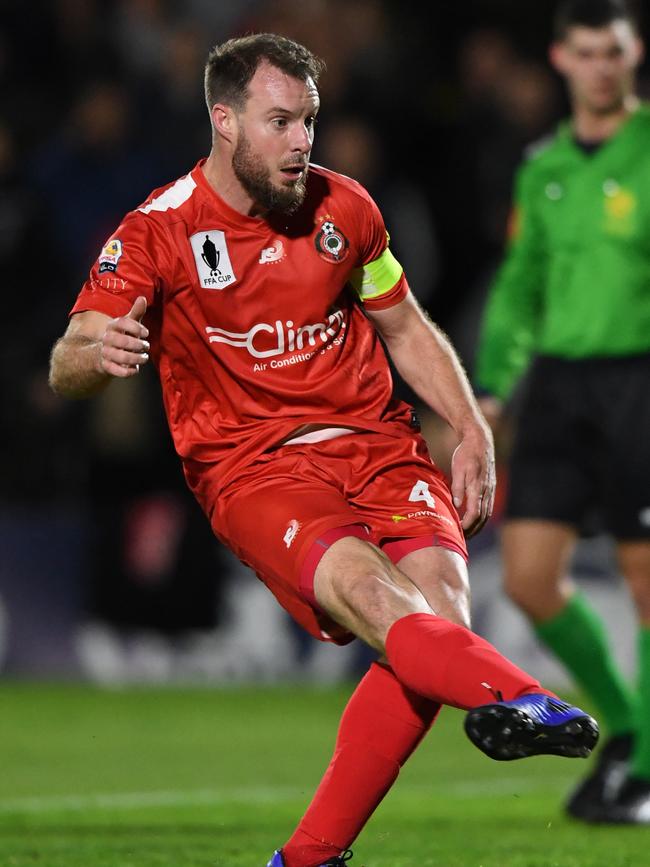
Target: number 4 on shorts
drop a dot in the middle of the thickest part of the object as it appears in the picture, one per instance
(421, 492)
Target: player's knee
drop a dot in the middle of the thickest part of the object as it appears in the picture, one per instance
(639, 584)
(523, 593)
(456, 598)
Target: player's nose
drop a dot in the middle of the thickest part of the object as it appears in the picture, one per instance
(301, 139)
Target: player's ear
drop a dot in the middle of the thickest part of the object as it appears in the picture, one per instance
(638, 51)
(223, 121)
(558, 57)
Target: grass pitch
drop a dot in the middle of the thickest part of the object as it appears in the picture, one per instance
(218, 778)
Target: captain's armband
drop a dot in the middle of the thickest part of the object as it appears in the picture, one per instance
(377, 278)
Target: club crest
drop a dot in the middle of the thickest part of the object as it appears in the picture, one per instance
(331, 243)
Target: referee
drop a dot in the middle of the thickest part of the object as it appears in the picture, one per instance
(573, 297)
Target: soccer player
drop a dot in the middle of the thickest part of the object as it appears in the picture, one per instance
(259, 285)
(574, 290)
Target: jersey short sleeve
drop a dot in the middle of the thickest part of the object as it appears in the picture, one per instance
(380, 281)
(132, 262)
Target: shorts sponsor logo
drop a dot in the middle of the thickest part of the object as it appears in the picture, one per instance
(291, 532)
(271, 254)
(110, 255)
(426, 513)
(212, 259)
(331, 243)
(266, 340)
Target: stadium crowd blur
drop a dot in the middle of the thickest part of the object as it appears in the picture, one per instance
(102, 102)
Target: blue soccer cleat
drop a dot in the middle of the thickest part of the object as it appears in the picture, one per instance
(532, 725)
(339, 861)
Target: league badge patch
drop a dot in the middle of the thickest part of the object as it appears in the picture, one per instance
(213, 264)
(110, 255)
(331, 243)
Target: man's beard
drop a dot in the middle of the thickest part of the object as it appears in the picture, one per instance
(255, 178)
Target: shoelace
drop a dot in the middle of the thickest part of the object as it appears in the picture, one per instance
(340, 859)
(498, 695)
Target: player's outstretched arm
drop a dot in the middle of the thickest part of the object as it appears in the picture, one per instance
(95, 349)
(428, 363)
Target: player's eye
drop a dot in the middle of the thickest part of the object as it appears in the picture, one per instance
(310, 122)
(279, 122)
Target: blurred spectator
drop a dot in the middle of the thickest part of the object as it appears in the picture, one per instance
(508, 102)
(30, 415)
(90, 170)
(169, 104)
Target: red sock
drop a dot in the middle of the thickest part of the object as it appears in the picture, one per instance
(452, 665)
(381, 726)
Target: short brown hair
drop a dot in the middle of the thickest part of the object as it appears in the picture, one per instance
(231, 65)
(590, 13)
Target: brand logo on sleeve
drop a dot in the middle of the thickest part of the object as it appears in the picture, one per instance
(110, 255)
(212, 259)
(275, 253)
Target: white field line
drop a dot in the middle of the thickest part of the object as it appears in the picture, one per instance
(246, 795)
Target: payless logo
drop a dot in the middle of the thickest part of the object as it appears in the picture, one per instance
(212, 259)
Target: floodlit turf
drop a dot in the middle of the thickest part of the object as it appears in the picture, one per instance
(217, 778)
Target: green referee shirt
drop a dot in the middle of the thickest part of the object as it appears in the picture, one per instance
(575, 282)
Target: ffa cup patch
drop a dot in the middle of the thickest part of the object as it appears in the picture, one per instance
(212, 259)
(110, 255)
(331, 243)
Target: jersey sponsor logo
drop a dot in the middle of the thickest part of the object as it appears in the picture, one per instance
(291, 532)
(620, 207)
(212, 259)
(283, 336)
(110, 255)
(275, 253)
(331, 243)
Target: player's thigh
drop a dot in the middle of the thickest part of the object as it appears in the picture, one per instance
(407, 500)
(274, 517)
(360, 588)
(536, 557)
(441, 576)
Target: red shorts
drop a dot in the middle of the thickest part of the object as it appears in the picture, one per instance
(286, 508)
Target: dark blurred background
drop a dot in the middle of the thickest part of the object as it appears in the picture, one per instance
(107, 567)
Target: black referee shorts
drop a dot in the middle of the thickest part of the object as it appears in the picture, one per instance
(582, 445)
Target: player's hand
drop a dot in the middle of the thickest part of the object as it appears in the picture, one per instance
(473, 478)
(124, 346)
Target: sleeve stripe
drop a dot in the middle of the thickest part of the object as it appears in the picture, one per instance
(377, 278)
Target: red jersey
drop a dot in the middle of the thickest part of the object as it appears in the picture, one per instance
(255, 326)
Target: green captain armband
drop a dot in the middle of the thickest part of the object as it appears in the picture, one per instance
(376, 278)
